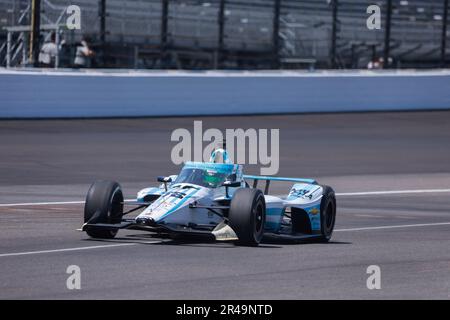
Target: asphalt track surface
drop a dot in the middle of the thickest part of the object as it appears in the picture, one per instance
(391, 172)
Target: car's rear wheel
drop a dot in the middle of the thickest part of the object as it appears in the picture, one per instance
(104, 204)
(247, 216)
(327, 213)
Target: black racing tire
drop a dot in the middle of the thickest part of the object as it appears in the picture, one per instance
(104, 204)
(327, 213)
(247, 216)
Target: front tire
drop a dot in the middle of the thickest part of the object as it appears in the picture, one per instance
(104, 204)
(247, 216)
(327, 213)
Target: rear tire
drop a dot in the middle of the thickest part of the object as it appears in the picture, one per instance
(104, 204)
(327, 213)
(247, 216)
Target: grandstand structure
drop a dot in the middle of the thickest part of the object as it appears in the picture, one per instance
(234, 34)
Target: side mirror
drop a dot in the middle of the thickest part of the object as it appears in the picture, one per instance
(164, 180)
(231, 184)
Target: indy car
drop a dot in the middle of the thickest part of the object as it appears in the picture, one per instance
(214, 199)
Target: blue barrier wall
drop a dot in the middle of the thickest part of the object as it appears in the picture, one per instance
(33, 94)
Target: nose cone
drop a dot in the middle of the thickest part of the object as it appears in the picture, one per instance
(174, 201)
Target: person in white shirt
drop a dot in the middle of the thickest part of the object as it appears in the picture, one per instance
(48, 52)
(82, 55)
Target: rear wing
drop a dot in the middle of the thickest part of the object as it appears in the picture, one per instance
(268, 179)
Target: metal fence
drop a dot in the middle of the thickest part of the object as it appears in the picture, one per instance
(249, 34)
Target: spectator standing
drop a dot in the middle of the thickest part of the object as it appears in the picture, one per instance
(375, 64)
(83, 54)
(48, 52)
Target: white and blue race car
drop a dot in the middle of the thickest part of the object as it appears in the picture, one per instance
(214, 199)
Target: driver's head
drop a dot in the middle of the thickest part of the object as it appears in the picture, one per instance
(210, 177)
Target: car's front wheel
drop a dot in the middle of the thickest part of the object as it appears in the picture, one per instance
(104, 204)
(327, 213)
(247, 216)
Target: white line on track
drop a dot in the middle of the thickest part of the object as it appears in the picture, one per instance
(149, 242)
(24, 204)
(74, 249)
(395, 226)
(64, 250)
(39, 203)
(374, 193)
(366, 193)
